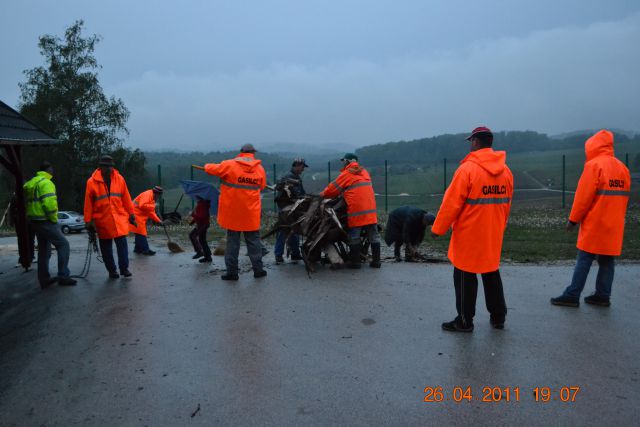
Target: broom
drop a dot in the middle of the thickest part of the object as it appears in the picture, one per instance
(173, 246)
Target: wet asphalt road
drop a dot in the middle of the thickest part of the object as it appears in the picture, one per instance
(175, 345)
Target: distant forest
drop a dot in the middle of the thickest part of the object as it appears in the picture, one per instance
(423, 152)
(427, 151)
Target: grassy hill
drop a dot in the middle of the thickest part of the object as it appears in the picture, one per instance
(535, 175)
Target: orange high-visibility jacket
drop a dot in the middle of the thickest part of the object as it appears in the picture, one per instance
(477, 205)
(354, 183)
(241, 180)
(144, 207)
(109, 210)
(600, 203)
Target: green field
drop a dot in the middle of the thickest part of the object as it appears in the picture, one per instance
(539, 235)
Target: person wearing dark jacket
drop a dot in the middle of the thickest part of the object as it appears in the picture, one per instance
(198, 236)
(406, 226)
(293, 183)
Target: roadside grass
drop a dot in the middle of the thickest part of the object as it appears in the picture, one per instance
(539, 235)
(534, 234)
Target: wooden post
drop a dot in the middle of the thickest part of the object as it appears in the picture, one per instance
(22, 227)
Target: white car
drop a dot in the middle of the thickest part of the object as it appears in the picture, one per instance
(70, 221)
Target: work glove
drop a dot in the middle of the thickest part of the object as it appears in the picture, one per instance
(91, 226)
(92, 236)
(132, 220)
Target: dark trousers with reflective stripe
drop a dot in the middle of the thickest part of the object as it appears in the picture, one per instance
(466, 285)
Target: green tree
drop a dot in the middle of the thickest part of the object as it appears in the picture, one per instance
(65, 98)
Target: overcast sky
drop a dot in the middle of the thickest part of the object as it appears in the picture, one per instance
(216, 74)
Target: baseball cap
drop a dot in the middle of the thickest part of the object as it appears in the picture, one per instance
(106, 160)
(479, 131)
(299, 161)
(248, 148)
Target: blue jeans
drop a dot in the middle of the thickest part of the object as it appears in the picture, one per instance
(141, 244)
(604, 280)
(371, 230)
(294, 243)
(106, 248)
(254, 246)
(49, 234)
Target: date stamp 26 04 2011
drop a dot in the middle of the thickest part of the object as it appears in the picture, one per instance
(494, 394)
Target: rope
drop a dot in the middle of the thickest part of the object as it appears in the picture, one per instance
(92, 246)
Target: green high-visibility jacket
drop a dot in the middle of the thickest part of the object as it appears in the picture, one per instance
(40, 195)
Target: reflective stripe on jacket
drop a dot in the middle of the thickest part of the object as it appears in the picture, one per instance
(601, 199)
(41, 198)
(354, 184)
(109, 210)
(241, 181)
(476, 205)
(144, 207)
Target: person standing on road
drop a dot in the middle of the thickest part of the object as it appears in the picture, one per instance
(354, 184)
(406, 226)
(476, 206)
(294, 182)
(144, 207)
(108, 211)
(240, 208)
(599, 206)
(42, 212)
(198, 236)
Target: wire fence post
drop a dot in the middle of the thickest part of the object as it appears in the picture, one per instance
(626, 159)
(275, 180)
(386, 187)
(160, 184)
(563, 180)
(328, 173)
(444, 185)
(192, 201)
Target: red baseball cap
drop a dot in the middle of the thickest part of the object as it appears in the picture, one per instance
(479, 130)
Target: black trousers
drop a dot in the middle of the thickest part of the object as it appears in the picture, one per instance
(198, 237)
(466, 285)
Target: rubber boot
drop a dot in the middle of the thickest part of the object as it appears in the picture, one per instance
(396, 252)
(375, 255)
(354, 256)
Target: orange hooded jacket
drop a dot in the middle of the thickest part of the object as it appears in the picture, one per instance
(109, 210)
(477, 205)
(144, 207)
(354, 183)
(241, 180)
(600, 203)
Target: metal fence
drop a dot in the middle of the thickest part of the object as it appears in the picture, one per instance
(541, 180)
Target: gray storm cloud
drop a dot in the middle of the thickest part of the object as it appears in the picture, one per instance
(551, 81)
